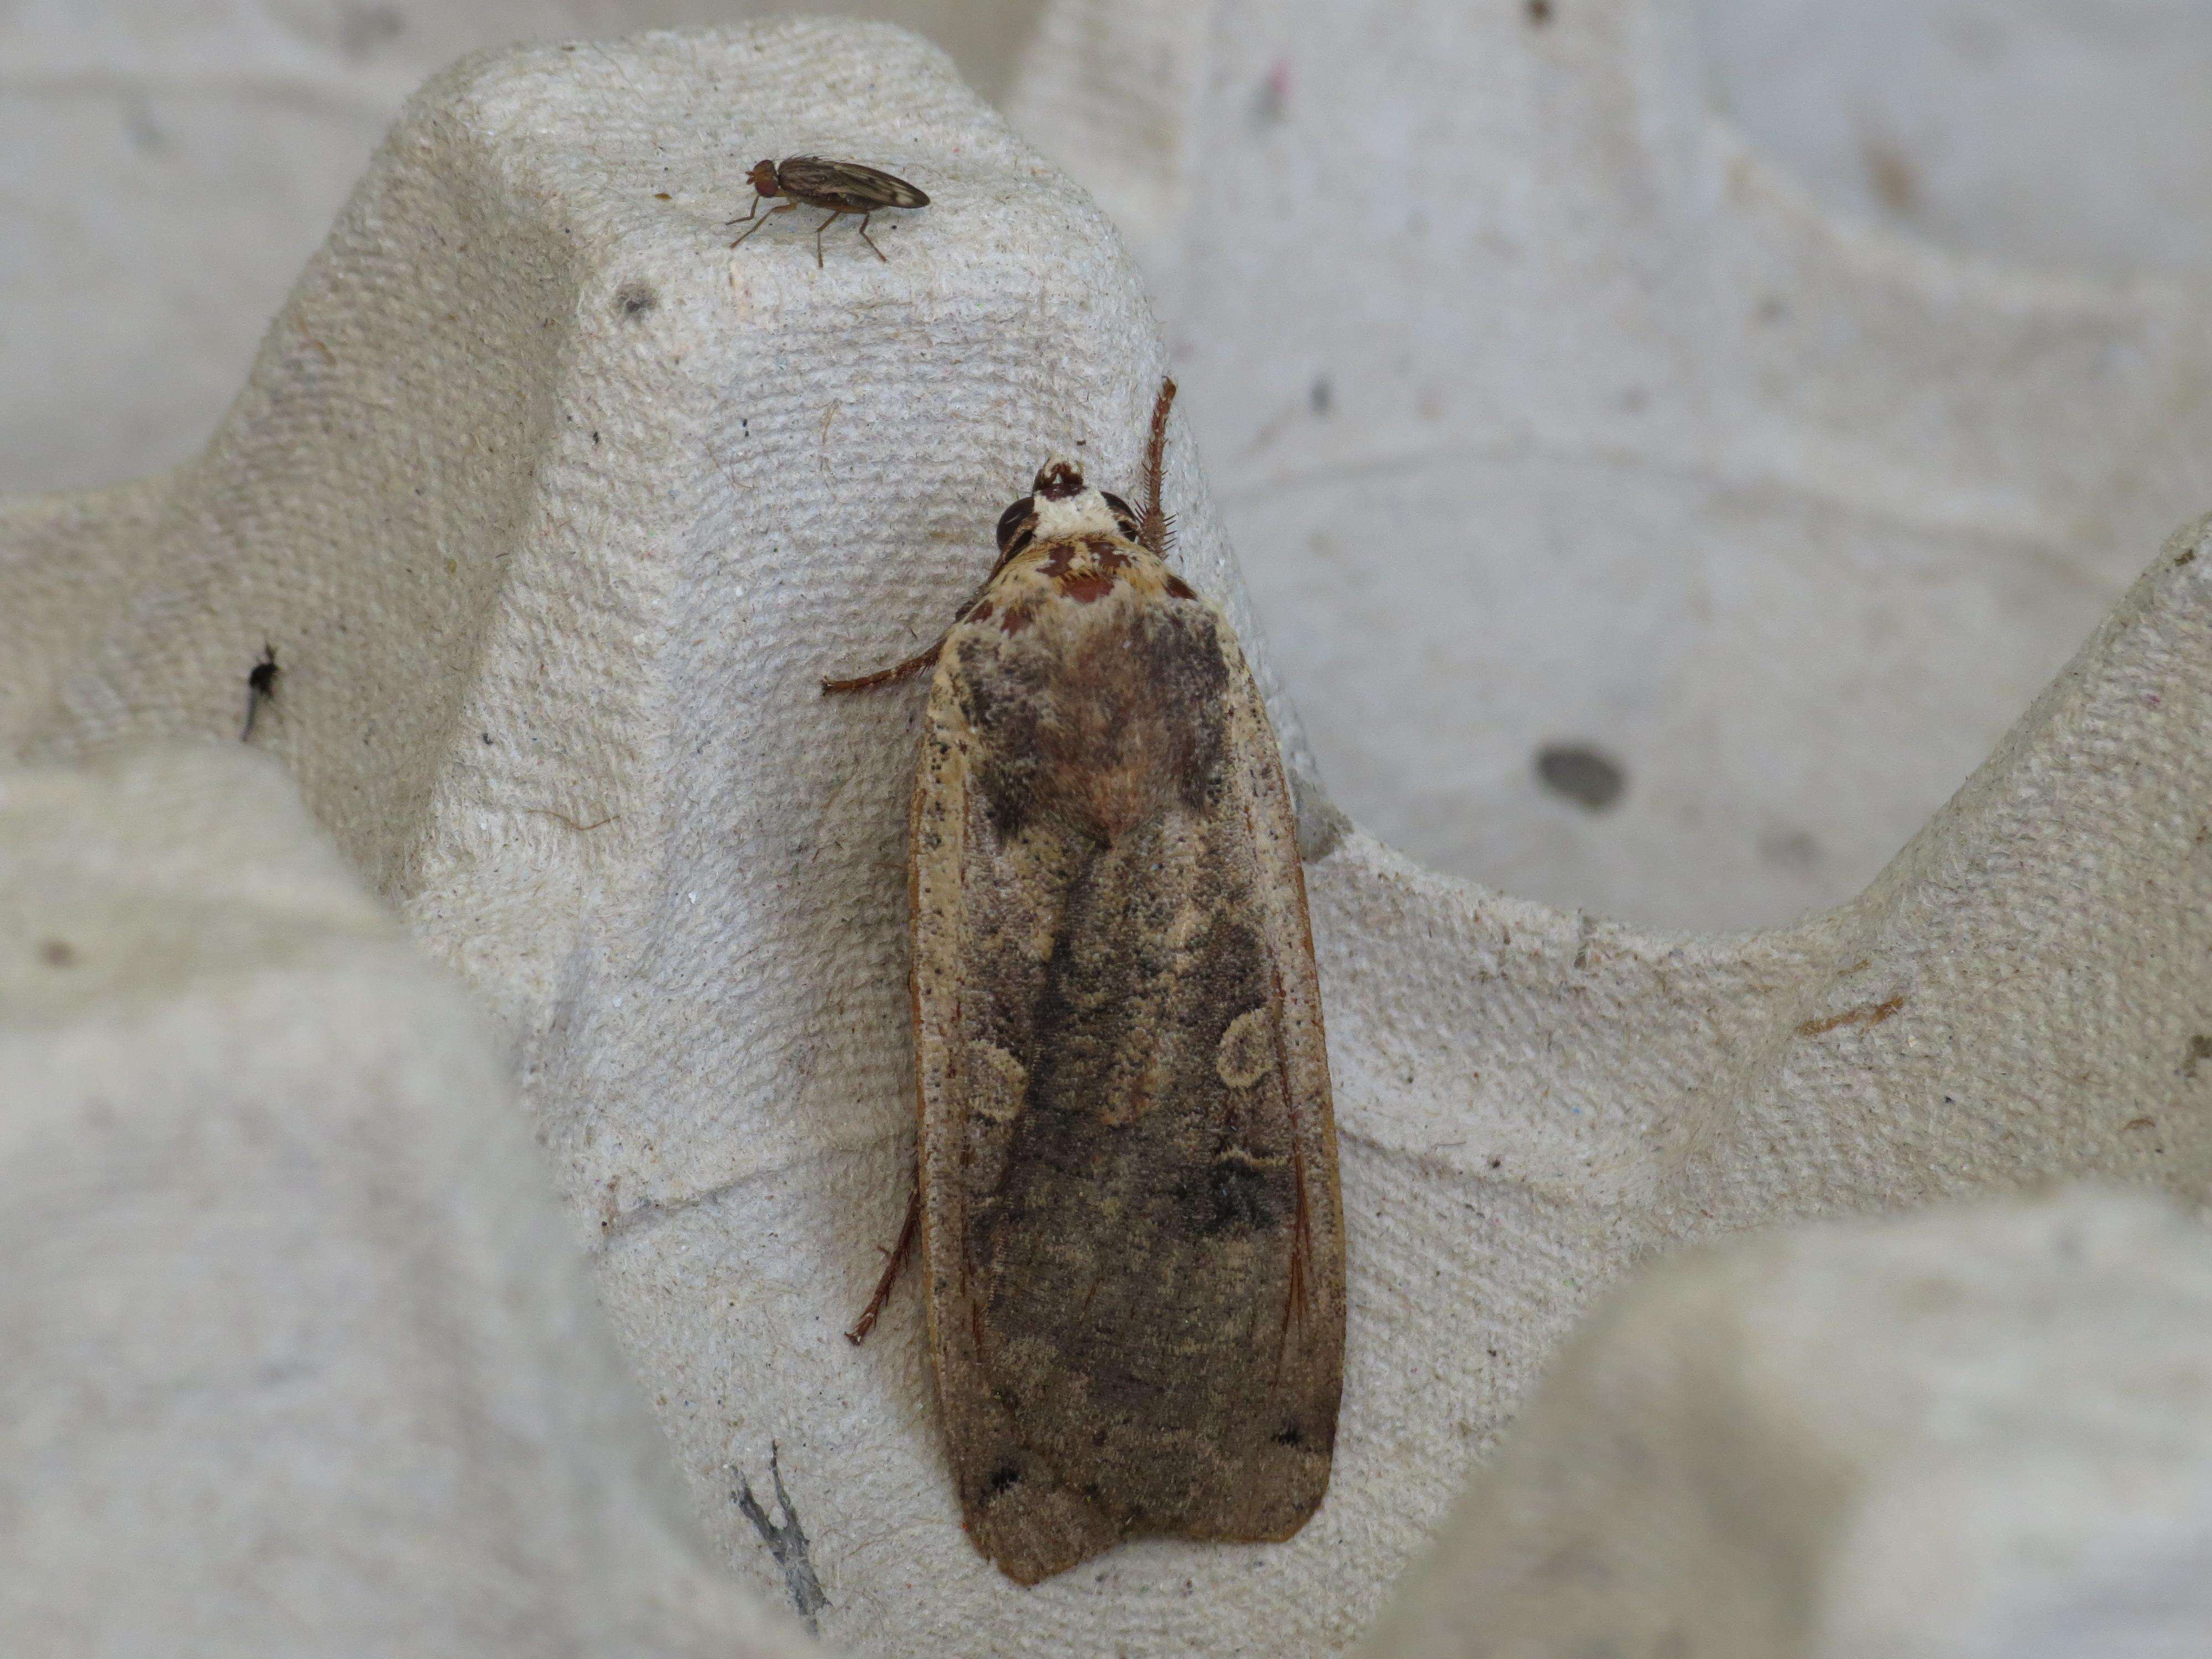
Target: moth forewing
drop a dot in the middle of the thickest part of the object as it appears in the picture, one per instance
(1131, 1227)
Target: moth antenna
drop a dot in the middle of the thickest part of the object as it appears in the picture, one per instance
(1156, 529)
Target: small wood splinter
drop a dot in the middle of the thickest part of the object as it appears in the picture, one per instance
(843, 187)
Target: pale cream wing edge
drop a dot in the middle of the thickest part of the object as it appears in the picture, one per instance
(1274, 822)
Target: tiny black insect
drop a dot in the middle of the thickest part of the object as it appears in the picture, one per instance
(260, 688)
(842, 187)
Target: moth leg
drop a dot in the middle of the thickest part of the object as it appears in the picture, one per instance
(750, 212)
(900, 1251)
(921, 659)
(835, 214)
(901, 671)
(869, 239)
(788, 207)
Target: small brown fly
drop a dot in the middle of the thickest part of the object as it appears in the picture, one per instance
(842, 187)
(260, 688)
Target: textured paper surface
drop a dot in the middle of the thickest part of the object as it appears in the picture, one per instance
(554, 509)
(1544, 409)
(1545, 404)
(1977, 1432)
(294, 1357)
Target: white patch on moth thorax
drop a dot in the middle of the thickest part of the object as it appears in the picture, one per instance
(1085, 514)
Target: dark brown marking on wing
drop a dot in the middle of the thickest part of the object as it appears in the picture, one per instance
(1087, 586)
(1104, 552)
(1180, 588)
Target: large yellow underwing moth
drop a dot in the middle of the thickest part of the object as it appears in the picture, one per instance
(1131, 1236)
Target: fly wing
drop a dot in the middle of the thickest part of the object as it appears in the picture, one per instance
(846, 185)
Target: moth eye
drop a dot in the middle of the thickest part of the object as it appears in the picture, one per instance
(1125, 520)
(1058, 480)
(1020, 516)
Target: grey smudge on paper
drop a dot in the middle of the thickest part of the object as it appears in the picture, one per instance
(1584, 774)
(786, 1542)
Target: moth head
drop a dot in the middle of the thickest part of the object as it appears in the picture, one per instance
(1061, 504)
(1059, 481)
(764, 179)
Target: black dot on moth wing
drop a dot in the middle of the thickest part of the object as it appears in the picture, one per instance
(1005, 1476)
(1289, 1435)
(1230, 1195)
